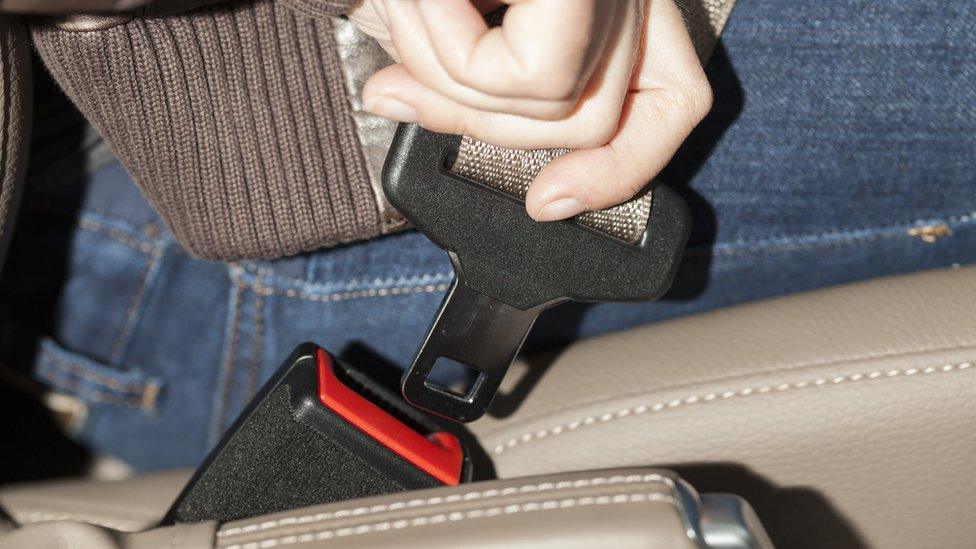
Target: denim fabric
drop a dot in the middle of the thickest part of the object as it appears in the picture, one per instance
(842, 146)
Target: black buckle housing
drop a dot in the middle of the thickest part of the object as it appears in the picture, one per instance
(288, 449)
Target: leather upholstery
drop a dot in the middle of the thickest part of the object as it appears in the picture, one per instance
(126, 506)
(59, 535)
(80, 535)
(622, 508)
(844, 416)
(615, 508)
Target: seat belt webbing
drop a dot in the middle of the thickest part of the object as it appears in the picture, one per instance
(511, 171)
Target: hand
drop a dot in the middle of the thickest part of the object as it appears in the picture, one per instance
(618, 80)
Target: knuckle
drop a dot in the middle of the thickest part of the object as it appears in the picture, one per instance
(459, 73)
(696, 97)
(482, 126)
(537, 82)
(461, 125)
(586, 141)
(557, 87)
(551, 84)
(596, 132)
(441, 121)
(590, 127)
(684, 103)
(629, 188)
(554, 110)
(603, 134)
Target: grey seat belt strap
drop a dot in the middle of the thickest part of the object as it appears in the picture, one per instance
(511, 170)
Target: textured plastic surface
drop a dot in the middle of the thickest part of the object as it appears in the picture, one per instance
(287, 450)
(504, 254)
(476, 331)
(509, 268)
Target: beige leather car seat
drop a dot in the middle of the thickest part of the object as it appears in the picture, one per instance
(844, 416)
(619, 508)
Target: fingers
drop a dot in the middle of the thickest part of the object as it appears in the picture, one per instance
(544, 49)
(537, 64)
(672, 98)
(408, 95)
(627, 123)
(394, 93)
(446, 45)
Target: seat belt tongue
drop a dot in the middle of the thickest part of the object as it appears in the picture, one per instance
(509, 268)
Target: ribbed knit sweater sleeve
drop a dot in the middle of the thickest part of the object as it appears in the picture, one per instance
(233, 120)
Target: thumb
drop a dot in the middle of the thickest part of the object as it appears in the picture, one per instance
(653, 126)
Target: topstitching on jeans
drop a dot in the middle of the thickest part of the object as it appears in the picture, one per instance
(228, 359)
(134, 310)
(99, 396)
(120, 232)
(96, 383)
(439, 282)
(257, 341)
(340, 291)
(152, 248)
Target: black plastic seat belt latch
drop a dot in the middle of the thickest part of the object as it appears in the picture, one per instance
(509, 268)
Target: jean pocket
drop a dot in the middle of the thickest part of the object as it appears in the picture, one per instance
(96, 383)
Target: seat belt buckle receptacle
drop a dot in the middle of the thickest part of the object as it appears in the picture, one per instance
(319, 431)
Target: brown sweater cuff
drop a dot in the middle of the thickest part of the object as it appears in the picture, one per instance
(235, 122)
(232, 119)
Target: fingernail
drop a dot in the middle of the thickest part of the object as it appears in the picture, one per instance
(560, 208)
(387, 107)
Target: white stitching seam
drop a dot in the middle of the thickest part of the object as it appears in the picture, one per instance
(721, 395)
(275, 278)
(357, 294)
(456, 516)
(119, 236)
(787, 368)
(469, 496)
(404, 289)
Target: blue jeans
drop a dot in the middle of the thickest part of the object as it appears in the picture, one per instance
(842, 146)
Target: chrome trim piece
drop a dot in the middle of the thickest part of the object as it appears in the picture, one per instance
(719, 521)
(728, 522)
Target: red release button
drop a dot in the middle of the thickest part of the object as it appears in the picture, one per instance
(439, 455)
